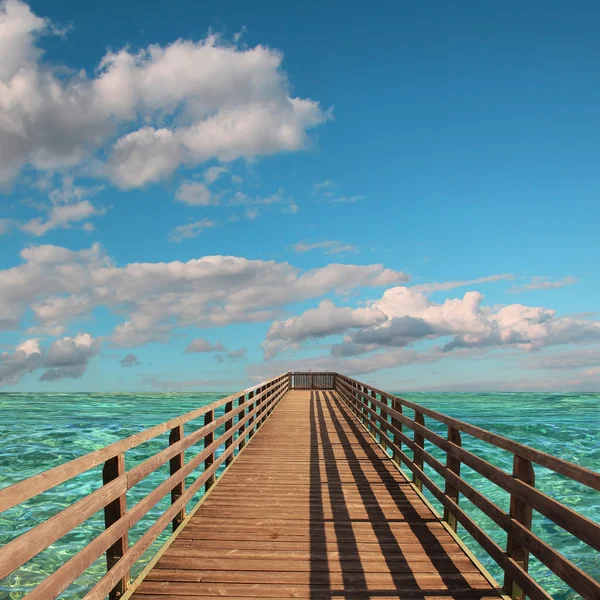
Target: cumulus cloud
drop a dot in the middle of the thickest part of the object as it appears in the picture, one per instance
(329, 246)
(60, 286)
(62, 217)
(234, 355)
(202, 345)
(195, 194)
(406, 315)
(197, 100)
(66, 358)
(213, 173)
(131, 360)
(191, 230)
(542, 283)
(325, 320)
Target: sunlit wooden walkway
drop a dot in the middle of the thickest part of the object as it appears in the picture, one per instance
(313, 508)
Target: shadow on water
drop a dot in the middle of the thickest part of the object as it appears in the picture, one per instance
(327, 480)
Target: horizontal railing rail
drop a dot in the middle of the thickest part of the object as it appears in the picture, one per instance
(244, 413)
(382, 414)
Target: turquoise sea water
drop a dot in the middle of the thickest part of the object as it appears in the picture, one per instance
(40, 431)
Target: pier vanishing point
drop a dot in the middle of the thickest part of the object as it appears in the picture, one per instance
(313, 488)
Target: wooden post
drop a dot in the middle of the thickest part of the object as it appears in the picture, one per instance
(420, 442)
(209, 438)
(176, 463)
(453, 464)
(374, 407)
(263, 404)
(228, 426)
(398, 425)
(251, 419)
(113, 468)
(242, 429)
(290, 381)
(521, 512)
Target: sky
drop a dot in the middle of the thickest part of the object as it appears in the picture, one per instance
(202, 195)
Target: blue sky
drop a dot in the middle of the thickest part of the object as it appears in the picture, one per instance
(201, 195)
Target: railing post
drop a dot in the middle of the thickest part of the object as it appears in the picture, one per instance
(228, 426)
(242, 429)
(452, 464)
(377, 421)
(113, 468)
(365, 390)
(290, 381)
(209, 438)
(263, 403)
(398, 425)
(251, 419)
(420, 442)
(175, 464)
(522, 513)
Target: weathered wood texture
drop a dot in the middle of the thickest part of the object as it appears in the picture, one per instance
(314, 508)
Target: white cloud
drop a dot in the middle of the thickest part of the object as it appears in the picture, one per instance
(202, 345)
(405, 315)
(62, 286)
(64, 359)
(195, 194)
(230, 102)
(213, 173)
(251, 213)
(62, 216)
(330, 247)
(191, 230)
(543, 283)
(325, 320)
(234, 355)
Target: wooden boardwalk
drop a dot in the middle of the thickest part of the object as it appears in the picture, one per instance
(313, 508)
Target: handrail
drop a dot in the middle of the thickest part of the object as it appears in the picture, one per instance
(254, 405)
(388, 423)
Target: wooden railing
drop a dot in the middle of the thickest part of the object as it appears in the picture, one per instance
(382, 414)
(244, 413)
(307, 380)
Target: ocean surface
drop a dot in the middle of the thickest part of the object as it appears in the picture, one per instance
(40, 431)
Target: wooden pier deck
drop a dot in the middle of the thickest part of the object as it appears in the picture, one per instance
(301, 500)
(313, 508)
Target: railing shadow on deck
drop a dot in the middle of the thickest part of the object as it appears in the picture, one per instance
(382, 415)
(326, 477)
